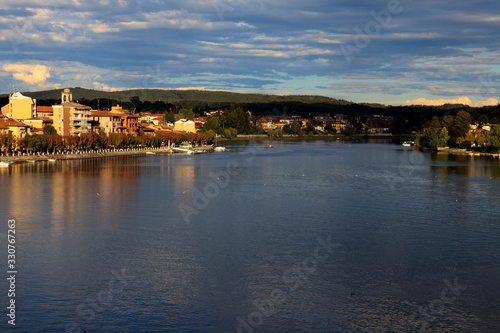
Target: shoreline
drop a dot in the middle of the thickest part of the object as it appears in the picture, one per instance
(85, 155)
(250, 137)
(463, 152)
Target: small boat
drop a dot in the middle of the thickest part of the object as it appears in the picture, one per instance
(408, 143)
(5, 163)
(187, 151)
(150, 153)
(51, 160)
(270, 146)
(220, 149)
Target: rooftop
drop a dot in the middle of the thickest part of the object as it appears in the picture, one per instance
(18, 95)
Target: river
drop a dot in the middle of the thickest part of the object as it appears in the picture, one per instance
(311, 236)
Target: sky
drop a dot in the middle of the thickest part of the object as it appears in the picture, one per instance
(380, 51)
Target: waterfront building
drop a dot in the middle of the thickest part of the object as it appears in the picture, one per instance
(183, 125)
(129, 123)
(20, 107)
(38, 122)
(71, 118)
(266, 123)
(105, 120)
(17, 128)
(45, 112)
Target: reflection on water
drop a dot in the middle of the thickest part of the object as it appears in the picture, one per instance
(406, 221)
(466, 165)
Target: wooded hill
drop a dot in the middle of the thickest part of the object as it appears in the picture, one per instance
(408, 118)
(181, 96)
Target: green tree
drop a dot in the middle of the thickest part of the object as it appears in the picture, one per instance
(330, 129)
(212, 124)
(448, 121)
(210, 136)
(7, 141)
(132, 140)
(483, 119)
(310, 129)
(493, 138)
(185, 114)
(237, 118)
(116, 139)
(443, 137)
(462, 122)
(435, 123)
(287, 129)
(36, 142)
(49, 129)
(296, 126)
(169, 117)
(230, 133)
(349, 130)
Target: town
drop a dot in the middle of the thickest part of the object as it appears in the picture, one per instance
(28, 128)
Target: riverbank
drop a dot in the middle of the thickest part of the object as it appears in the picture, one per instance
(459, 151)
(85, 155)
(250, 137)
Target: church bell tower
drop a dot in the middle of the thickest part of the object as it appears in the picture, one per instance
(66, 96)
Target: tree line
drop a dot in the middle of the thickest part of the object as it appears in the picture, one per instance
(51, 142)
(456, 132)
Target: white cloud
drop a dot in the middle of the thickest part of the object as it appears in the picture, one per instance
(266, 38)
(30, 74)
(100, 27)
(102, 86)
(244, 25)
(461, 100)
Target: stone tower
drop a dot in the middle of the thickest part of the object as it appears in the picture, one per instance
(66, 96)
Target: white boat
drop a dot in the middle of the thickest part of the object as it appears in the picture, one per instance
(187, 151)
(5, 163)
(220, 149)
(408, 143)
(51, 160)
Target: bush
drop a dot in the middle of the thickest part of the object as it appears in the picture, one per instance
(466, 144)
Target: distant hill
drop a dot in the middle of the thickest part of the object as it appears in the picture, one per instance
(179, 96)
(408, 118)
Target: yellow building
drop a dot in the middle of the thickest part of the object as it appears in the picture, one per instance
(15, 127)
(19, 107)
(71, 118)
(108, 121)
(38, 123)
(184, 125)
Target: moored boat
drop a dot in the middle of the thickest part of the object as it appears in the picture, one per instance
(408, 143)
(5, 163)
(220, 149)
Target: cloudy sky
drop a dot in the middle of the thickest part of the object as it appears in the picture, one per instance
(388, 51)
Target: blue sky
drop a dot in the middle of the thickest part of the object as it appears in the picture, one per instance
(387, 51)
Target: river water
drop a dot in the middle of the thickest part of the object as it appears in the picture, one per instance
(302, 237)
